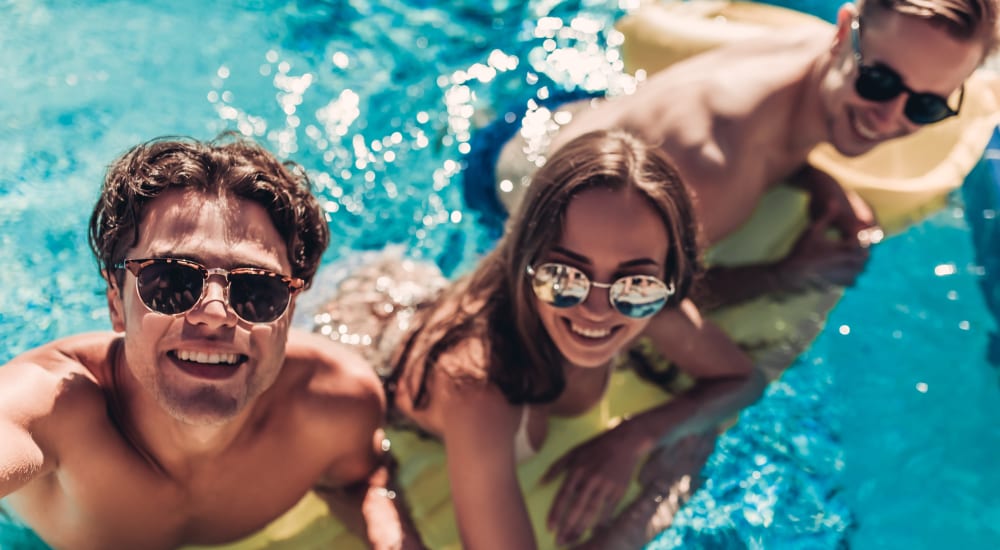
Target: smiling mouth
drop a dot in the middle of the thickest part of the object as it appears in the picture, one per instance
(207, 365)
(208, 358)
(863, 130)
(595, 334)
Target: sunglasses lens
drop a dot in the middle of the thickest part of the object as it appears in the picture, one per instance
(877, 83)
(560, 285)
(170, 288)
(639, 296)
(258, 298)
(927, 108)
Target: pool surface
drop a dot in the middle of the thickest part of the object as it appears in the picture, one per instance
(883, 435)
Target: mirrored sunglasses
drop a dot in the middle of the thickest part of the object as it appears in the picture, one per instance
(877, 82)
(172, 286)
(635, 296)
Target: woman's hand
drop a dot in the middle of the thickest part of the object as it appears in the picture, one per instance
(598, 472)
(668, 479)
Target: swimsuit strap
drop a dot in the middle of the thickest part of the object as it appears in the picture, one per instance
(523, 448)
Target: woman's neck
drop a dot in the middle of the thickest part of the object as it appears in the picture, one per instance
(585, 386)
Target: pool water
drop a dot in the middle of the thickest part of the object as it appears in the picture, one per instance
(883, 435)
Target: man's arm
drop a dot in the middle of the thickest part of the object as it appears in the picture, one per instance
(22, 399)
(21, 459)
(842, 227)
(846, 211)
(373, 508)
(833, 250)
(815, 262)
(358, 485)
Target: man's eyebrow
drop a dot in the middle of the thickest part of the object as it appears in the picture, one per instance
(167, 254)
(199, 260)
(585, 260)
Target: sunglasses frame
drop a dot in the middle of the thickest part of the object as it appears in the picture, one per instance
(670, 288)
(137, 265)
(913, 98)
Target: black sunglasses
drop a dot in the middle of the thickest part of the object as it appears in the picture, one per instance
(172, 286)
(878, 82)
(635, 296)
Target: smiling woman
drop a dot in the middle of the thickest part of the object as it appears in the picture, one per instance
(614, 235)
(603, 253)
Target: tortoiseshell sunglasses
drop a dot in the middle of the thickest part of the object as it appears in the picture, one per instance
(173, 286)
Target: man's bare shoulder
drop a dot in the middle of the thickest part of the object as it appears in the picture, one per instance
(331, 375)
(58, 384)
(749, 69)
(334, 400)
(75, 362)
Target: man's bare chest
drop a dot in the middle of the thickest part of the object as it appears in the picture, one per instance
(130, 505)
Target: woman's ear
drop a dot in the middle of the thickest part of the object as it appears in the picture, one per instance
(116, 306)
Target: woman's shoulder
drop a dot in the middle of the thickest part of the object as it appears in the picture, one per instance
(456, 372)
(458, 384)
(466, 403)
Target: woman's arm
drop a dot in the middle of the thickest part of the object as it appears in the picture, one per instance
(726, 379)
(598, 471)
(478, 431)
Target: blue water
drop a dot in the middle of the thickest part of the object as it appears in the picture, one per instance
(882, 436)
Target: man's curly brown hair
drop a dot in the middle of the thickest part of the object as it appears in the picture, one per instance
(229, 165)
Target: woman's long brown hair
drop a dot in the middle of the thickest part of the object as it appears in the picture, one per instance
(522, 359)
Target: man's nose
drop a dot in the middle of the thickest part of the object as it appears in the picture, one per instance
(213, 308)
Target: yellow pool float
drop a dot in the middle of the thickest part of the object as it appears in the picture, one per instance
(424, 478)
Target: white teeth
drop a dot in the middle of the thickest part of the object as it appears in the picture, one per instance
(590, 333)
(208, 358)
(864, 131)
